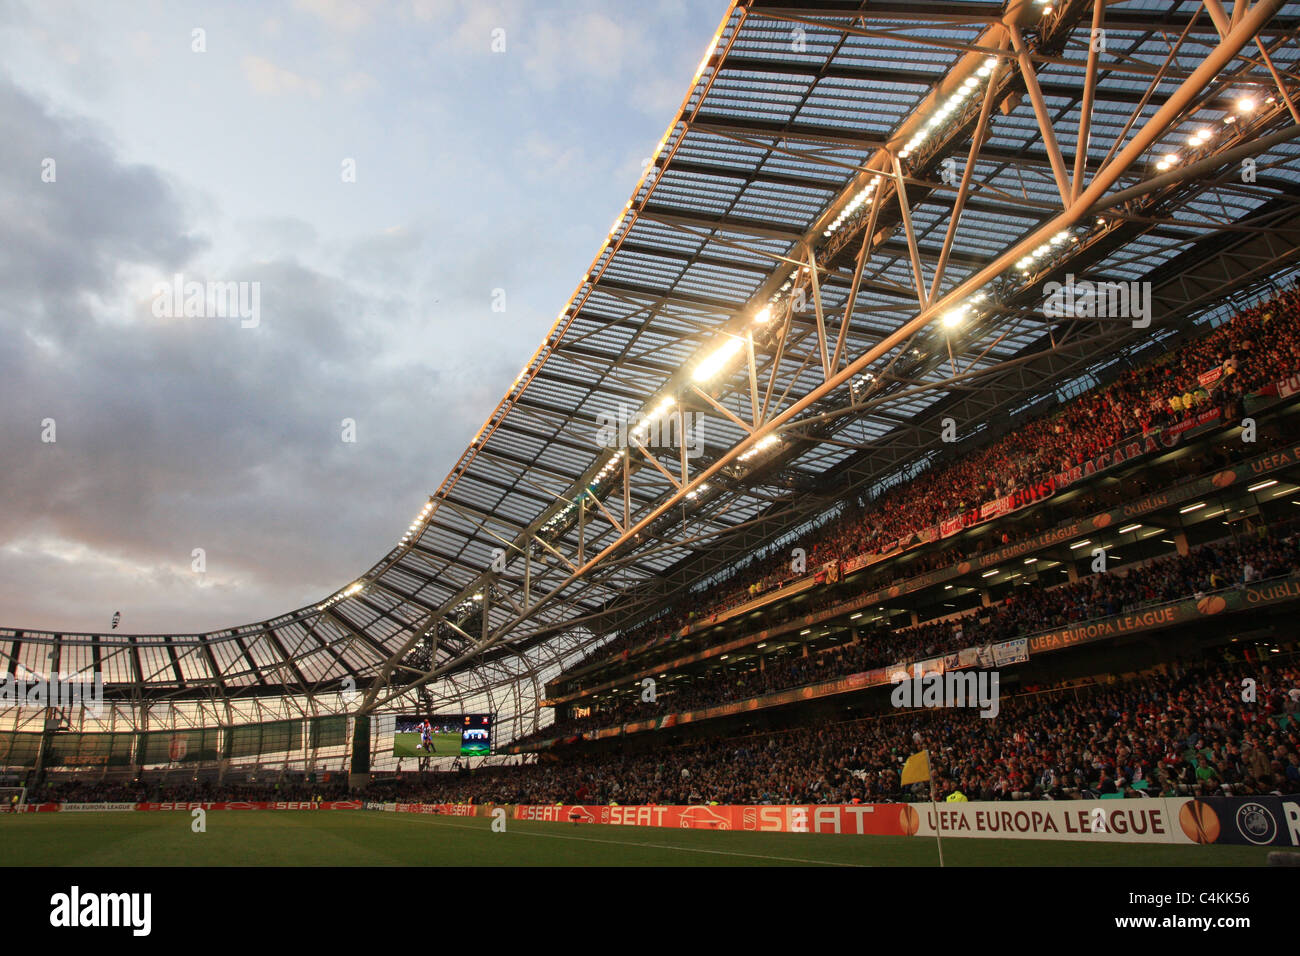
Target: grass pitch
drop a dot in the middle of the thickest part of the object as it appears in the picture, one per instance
(373, 838)
(444, 745)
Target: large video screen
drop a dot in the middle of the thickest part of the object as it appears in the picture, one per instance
(443, 735)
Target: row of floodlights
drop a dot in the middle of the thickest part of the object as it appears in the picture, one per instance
(950, 106)
(1046, 250)
(420, 519)
(862, 197)
(1245, 105)
(347, 592)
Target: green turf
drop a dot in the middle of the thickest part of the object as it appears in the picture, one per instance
(444, 745)
(359, 837)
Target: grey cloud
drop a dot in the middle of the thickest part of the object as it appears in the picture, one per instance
(180, 433)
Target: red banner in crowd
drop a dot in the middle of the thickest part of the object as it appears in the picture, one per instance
(1142, 445)
(1040, 490)
(1207, 379)
(1020, 498)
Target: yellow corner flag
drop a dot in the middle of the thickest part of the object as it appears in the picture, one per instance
(917, 768)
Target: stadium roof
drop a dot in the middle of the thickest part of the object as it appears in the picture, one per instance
(843, 237)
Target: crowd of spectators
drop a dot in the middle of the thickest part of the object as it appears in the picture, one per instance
(1256, 348)
(55, 790)
(1027, 610)
(1176, 731)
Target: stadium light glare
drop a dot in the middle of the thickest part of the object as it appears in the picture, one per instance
(764, 443)
(1245, 105)
(1260, 486)
(711, 364)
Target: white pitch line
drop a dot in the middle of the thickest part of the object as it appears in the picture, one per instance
(441, 821)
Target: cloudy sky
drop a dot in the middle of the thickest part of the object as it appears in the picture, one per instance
(129, 156)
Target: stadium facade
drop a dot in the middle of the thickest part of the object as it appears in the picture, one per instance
(863, 233)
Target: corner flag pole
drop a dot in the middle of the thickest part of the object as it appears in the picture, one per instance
(935, 807)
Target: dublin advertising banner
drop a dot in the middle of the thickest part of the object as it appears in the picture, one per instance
(1265, 594)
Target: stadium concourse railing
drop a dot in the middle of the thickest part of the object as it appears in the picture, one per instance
(1128, 451)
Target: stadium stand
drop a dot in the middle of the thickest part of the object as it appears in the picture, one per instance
(1154, 733)
(797, 268)
(1255, 349)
